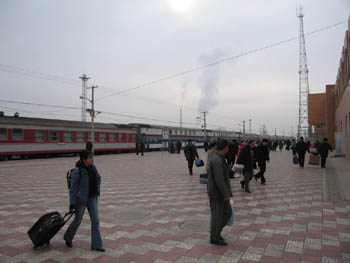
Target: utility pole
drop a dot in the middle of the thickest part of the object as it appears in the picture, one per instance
(303, 126)
(84, 78)
(205, 125)
(92, 113)
(250, 126)
(264, 131)
(243, 127)
(275, 132)
(180, 118)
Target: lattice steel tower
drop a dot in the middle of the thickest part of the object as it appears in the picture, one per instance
(303, 125)
(83, 97)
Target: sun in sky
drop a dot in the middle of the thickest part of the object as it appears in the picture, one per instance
(181, 6)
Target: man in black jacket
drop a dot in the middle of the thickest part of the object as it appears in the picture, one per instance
(231, 154)
(246, 157)
(323, 149)
(219, 192)
(262, 155)
(191, 154)
(302, 147)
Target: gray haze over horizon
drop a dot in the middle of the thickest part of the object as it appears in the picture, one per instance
(46, 45)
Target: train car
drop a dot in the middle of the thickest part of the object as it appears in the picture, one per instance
(28, 137)
(158, 137)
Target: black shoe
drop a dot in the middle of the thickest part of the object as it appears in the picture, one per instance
(218, 242)
(69, 244)
(191, 173)
(242, 185)
(263, 183)
(256, 178)
(247, 191)
(99, 249)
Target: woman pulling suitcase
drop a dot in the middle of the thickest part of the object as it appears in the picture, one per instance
(83, 193)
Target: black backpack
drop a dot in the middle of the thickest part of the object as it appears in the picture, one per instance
(69, 177)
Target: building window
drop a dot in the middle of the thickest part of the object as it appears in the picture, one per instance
(17, 134)
(53, 136)
(103, 137)
(111, 137)
(39, 136)
(67, 136)
(80, 137)
(3, 134)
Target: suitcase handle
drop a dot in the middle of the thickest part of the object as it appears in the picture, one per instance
(69, 213)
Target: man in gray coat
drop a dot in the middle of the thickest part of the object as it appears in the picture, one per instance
(219, 192)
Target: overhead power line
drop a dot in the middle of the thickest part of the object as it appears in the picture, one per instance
(37, 75)
(219, 61)
(108, 113)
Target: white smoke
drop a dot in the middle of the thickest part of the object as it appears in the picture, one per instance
(208, 82)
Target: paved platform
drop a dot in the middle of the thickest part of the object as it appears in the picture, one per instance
(151, 210)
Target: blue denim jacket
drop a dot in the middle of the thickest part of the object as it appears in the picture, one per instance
(79, 190)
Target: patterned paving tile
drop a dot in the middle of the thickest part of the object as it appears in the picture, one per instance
(284, 221)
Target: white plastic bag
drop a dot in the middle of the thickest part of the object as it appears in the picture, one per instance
(232, 218)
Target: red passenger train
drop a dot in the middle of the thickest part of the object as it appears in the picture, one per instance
(29, 137)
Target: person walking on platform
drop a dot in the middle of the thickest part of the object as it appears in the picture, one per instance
(205, 145)
(231, 154)
(246, 157)
(137, 148)
(191, 154)
(262, 156)
(178, 146)
(293, 146)
(280, 145)
(219, 192)
(142, 147)
(84, 193)
(301, 148)
(323, 149)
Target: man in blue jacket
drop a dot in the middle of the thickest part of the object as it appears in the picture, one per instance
(84, 192)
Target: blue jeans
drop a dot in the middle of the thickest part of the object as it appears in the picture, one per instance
(92, 206)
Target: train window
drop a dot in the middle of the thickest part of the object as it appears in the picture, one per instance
(120, 139)
(39, 136)
(53, 136)
(3, 134)
(17, 134)
(133, 137)
(67, 136)
(185, 132)
(112, 137)
(102, 137)
(80, 137)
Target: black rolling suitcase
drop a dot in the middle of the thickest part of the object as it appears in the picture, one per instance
(46, 227)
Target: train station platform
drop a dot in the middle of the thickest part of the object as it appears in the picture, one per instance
(151, 210)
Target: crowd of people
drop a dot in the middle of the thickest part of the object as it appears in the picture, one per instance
(223, 158)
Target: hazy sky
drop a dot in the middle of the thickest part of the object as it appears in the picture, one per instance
(46, 45)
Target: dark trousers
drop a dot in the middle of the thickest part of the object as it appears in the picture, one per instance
(248, 175)
(190, 166)
(301, 160)
(260, 174)
(221, 212)
(323, 161)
